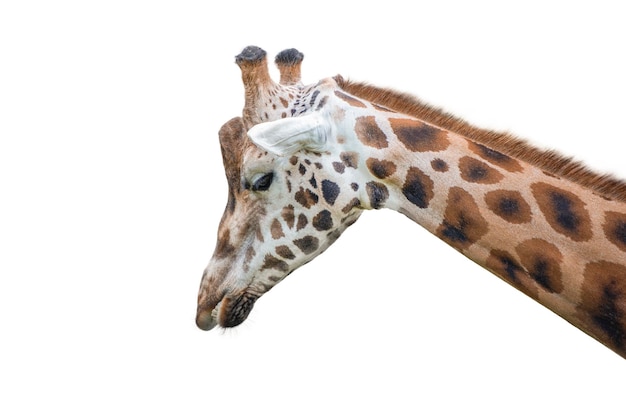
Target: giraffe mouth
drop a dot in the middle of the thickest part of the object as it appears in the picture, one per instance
(231, 311)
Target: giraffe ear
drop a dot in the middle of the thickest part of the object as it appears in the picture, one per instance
(290, 135)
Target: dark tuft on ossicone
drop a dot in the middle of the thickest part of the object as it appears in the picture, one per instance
(250, 54)
(289, 57)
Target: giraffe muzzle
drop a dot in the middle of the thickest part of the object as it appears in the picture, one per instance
(230, 312)
(205, 319)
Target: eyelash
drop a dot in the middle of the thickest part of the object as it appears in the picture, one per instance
(261, 184)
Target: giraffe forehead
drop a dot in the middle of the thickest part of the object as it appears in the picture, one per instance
(257, 161)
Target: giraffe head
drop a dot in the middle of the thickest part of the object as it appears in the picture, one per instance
(294, 187)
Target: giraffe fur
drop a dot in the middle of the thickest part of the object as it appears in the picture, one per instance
(304, 161)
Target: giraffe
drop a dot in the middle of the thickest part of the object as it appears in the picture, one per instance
(304, 161)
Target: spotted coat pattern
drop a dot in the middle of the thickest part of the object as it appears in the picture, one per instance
(557, 241)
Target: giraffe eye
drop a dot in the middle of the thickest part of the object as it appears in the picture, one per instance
(263, 182)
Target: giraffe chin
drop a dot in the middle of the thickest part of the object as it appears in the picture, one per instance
(228, 313)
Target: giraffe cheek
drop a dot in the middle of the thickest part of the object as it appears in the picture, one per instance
(272, 263)
(276, 229)
(285, 252)
(323, 221)
(308, 244)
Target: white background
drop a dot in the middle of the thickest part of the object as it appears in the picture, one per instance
(112, 188)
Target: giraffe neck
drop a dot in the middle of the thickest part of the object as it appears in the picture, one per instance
(557, 241)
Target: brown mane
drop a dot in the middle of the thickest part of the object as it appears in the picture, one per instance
(549, 161)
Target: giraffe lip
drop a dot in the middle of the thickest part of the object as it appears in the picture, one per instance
(236, 308)
(206, 318)
(230, 312)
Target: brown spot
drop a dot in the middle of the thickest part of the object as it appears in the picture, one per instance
(354, 186)
(284, 102)
(348, 221)
(615, 229)
(504, 265)
(223, 247)
(339, 167)
(271, 262)
(377, 193)
(351, 205)
(284, 252)
(604, 302)
(274, 279)
(495, 157)
(319, 166)
(509, 205)
(330, 191)
(323, 221)
(418, 188)
(462, 224)
(302, 222)
(250, 253)
(380, 168)
(350, 159)
(439, 165)
(475, 171)
(306, 198)
(308, 244)
(259, 234)
(349, 99)
(418, 136)
(293, 160)
(542, 261)
(507, 267)
(369, 133)
(276, 229)
(564, 211)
